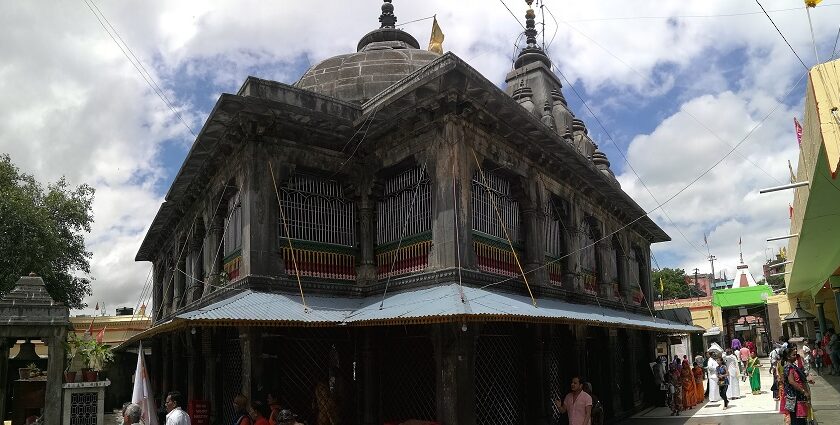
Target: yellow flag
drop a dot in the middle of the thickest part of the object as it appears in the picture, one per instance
(661, 286)
(812, 3)
(436, 40)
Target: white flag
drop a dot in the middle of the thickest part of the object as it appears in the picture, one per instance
(142, 394)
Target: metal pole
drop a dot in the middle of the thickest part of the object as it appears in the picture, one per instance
(813, 40)
(784, 187)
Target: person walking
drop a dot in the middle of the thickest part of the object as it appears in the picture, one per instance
(240, 411)
(597, 406)
(698, 382)
(734, 388)
(577, 404)
(833, 349)
(175, 414)
(714, 387)
(817, 354)
(806, 356)
(744, 355)
(754, 372)
(689, 393)
(722, 373)
(797, 393)
(131, 414)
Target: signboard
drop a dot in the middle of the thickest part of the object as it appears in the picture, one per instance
(199, 411)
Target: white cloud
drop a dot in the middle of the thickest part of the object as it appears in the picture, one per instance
(74, 106)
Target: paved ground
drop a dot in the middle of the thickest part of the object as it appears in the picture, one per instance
(751, 409)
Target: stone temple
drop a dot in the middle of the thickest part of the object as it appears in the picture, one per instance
(394, 237)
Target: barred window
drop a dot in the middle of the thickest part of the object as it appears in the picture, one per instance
(555, 231)
(484, 215)
(589, 234)
(316, 210)
(406, 193)
(233, 225)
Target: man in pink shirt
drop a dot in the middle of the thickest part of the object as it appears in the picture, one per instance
(745, 358)
(578, 404)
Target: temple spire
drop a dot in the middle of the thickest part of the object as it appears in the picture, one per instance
(532, 52)
(387, 17)
(530, 27)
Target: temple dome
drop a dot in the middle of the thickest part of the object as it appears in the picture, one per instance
(383, 57)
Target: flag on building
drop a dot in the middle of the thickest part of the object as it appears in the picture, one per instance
(790, 210)
(436, 40)
(89, 330)
(97, 307)
(661, 286)
(705, 241)
(142, 394)
(100, 335)
(812, 3)
(798, 128)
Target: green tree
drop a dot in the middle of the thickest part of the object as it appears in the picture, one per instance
(673, 283)
(41, 232)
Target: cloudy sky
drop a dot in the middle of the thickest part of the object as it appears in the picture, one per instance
(676, 84)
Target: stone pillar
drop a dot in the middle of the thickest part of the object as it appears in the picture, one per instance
(246, 342)
(837, 306)
(370, 378)
(538, 394)
(192, 375)
(821, 318)
(260, 214)
(451, 168)
(208, 353)
(5, 345)
(55, 377)
(455, 357)
(366, 236)
(533, 222)
(212, 250)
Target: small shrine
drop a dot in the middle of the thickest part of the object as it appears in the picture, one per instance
(29, 313)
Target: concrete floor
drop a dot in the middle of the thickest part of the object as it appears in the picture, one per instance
(751, 409)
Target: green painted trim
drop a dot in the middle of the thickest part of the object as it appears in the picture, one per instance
(494, 241)
(318, 246)
(232, 255)
(834, 281)
(410, 240)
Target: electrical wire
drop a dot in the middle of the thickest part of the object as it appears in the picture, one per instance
(512, 14)
(138, 65)
(780, 33)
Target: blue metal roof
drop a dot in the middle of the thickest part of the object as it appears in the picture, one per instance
(422, 305)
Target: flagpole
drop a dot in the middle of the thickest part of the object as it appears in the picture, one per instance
(813, 39)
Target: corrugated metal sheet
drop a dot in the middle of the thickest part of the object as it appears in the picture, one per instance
(418, 306)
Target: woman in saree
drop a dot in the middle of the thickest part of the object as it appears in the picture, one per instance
(687, 380)
(699, 391)
(674, 375)
(754, 372)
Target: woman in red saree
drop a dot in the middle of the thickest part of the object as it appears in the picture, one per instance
(688, 386)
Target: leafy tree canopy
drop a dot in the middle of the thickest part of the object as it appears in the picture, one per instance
(41, 231)
(673, 283)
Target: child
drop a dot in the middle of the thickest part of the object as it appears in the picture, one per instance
(817, 357)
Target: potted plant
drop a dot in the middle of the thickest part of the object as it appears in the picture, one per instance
(70, 348)
(100, 355)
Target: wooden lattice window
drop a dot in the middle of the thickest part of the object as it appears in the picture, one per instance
(406, 193)
(404, 224)
(635, 275)
(316, 210)
(233, 225)
(589, 269)
(556, 212)
(485, 219)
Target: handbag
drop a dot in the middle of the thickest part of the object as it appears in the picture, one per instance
(790, 403)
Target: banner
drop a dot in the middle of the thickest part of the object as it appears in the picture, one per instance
(798, 128)
(142, 394)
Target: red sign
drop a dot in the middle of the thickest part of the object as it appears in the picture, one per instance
(199, 411)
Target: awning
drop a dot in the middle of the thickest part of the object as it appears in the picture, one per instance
(741, 297)
(436, 304)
